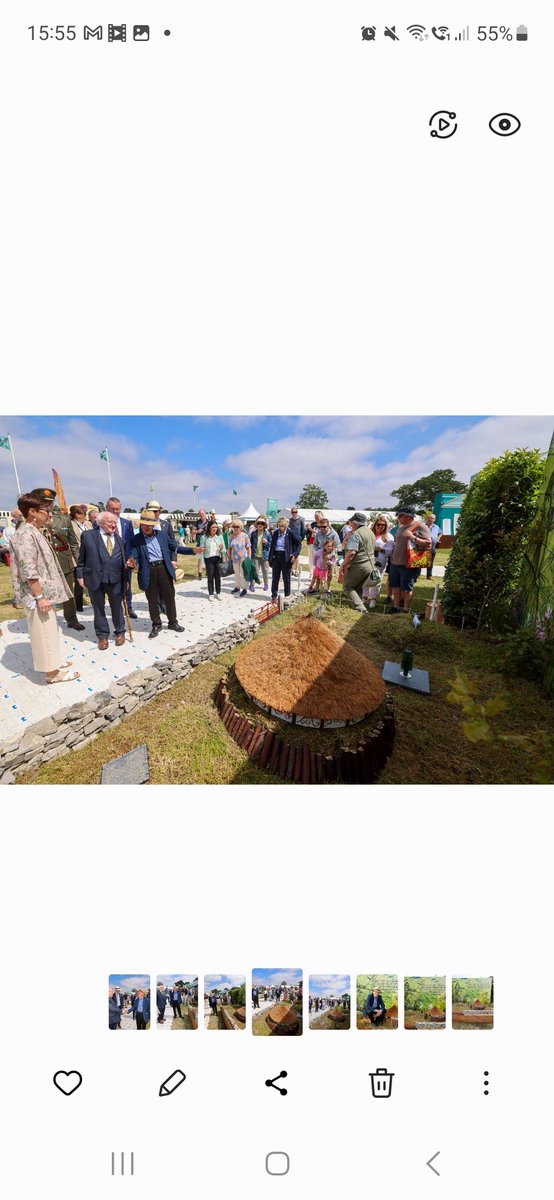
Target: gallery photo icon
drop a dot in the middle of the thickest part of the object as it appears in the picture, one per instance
(141, 33)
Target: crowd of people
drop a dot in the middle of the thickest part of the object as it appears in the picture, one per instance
(135, 1004)
(319, 1004)
(55, 556)
(178, 996)
(281, 993)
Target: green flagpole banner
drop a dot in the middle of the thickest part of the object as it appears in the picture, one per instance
(272, 510)
(104, 455)
(7, 444)
(106, 458)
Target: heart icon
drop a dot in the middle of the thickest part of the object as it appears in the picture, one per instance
(68, 1081)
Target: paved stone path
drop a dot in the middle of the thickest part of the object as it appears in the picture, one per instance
(25, 699)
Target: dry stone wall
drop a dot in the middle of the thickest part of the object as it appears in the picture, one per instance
(73, 727)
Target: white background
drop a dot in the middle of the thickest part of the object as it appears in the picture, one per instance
(250, 215)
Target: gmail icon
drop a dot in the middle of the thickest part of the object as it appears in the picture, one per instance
(89, 32)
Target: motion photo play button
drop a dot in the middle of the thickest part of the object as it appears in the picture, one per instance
(443, 123)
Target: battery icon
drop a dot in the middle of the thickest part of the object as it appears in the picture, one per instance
(521, 33)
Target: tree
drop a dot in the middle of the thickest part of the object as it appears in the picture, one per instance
(312, 496)
(494, 529)
(128, 510)
(422, 492)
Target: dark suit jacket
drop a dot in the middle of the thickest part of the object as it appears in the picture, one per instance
(145, 1007)
(127, 533)
(374, 1004)
(292, 545)
(91, 556)
(139, 552)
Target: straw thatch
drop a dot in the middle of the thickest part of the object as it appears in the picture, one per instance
(282, 1019)
(308, 670)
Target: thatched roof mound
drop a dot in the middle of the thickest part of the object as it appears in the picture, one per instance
(308, 670)
(282, 1019)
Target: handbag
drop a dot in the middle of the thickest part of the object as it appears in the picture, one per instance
(418, 558)
(226, 567)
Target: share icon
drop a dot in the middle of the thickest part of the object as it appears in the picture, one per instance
(272, 1083)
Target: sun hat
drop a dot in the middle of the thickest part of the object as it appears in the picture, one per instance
(359, 517)
(146, 517)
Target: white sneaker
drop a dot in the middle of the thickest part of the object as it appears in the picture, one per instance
(211, 599)
(217, 596)
(373, 604)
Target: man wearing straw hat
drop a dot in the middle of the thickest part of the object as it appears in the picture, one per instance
(153, 553)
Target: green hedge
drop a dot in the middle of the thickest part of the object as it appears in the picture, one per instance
(485, 563)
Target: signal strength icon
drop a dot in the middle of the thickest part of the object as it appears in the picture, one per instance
(463, 36)
(417, 32)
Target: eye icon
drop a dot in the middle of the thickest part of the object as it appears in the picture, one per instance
(504, 124)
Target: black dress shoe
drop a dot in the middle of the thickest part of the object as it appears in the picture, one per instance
(132, 614)
(154, 631)
(75, 625)
(176, 627)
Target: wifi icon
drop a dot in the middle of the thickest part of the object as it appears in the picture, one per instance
(417, 32)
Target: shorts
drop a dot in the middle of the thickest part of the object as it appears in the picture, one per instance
(403, 577)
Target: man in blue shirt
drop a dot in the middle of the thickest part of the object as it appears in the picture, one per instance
(436, 534)
(153, 553)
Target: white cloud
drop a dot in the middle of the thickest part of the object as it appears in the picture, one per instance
(344, 455)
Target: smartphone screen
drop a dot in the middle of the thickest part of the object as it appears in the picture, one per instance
(276, 598)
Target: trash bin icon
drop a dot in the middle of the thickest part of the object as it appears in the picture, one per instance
(381, 1083)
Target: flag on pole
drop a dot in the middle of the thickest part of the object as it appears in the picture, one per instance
(235, 493)
(104, 455)
(59, 491)
(5, 443)
(195, 487)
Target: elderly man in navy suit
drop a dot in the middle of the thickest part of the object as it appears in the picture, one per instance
(153, 552)
(125, 531)
(101, 569)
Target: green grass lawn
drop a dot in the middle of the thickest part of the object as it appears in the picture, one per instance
(187, 742)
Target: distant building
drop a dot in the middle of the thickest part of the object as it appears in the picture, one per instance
(447, 507)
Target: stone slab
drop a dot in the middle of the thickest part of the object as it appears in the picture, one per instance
(130, 768)
(418, 681)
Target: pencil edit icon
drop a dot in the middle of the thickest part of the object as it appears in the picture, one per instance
(171, 1084)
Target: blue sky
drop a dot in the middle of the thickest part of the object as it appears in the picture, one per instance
(329, 985)
(130, 983)
(222, 981)
(273, 976)
(169, 980)
(357, 459)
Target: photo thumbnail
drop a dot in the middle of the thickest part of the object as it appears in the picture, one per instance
(329, 1002)
(177, 1001)
(377, 1002)
(472, 1002)
(425, 1002)
(129, 1002)
(276, 1002)
(224, 1002)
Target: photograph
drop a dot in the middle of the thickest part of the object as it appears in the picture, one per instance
(129, 1002)
(472, 1002)
(177, 1001)
(297, 630)
(425, 1002)
(224, 1002)
(329, 1002)
(377, 1002)
(277, 1002)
